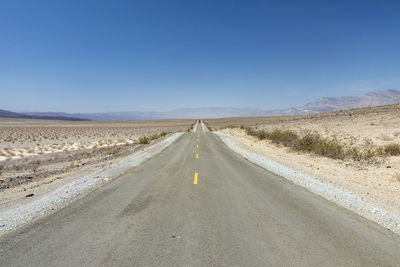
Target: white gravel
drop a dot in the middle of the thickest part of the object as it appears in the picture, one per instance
(334, 194)
(10, 219)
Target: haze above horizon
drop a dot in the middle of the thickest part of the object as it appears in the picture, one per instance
(94, 56)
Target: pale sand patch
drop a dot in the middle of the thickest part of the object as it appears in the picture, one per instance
(48, 149)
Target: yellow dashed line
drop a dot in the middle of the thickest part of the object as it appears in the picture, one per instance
(197, 146)
(197, 156)
(196, 175)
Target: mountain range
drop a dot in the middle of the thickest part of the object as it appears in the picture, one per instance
(15, 115)
(325, 104)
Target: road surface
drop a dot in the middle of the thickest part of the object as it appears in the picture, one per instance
(231, 213)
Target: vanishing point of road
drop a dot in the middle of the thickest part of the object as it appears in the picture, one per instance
(199, 204)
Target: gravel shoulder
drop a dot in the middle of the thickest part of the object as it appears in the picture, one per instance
(18, 207)
(347, 186)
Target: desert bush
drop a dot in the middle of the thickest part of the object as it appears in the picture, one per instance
(114, 150)
(308, 141)
(229, 126)
(162, 134)
(2, 165)
(358, 154)
(330, 148)
(284, 137)
(261, 134)
(250, 131)
(144, 140)
(156, 136)
(313, 142)
(389, 150)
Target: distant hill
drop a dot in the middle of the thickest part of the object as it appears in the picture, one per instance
(190, 113)
(326, 104)
(14, 115)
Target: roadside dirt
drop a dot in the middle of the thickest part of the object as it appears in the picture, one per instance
(378, 184)
(14, 195)
(37, 156)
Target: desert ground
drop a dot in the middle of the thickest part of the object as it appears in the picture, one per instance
(375, 176)
(31, 151)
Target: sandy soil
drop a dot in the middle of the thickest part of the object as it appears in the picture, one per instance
(20, 138)
(34, 152)
(380, 125)
(376, 183)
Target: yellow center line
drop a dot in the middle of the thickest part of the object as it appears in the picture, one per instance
(196, 175)
(197, 156)
(197, 146)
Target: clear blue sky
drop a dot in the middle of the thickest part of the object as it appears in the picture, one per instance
(89, 56)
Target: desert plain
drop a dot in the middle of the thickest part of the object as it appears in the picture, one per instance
(375, 177)
(37, 152)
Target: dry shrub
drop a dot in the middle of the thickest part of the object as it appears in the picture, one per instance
(389, 150)
(358, 154)
(284, 137)
(313, 142)
(35, 163)
(144, 140)
(147, 139)
(2, 165)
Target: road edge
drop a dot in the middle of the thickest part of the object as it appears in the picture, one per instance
(332, 193)
(63, 195)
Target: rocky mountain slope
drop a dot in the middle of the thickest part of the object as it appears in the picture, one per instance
(326, 104)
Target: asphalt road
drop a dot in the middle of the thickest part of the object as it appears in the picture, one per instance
(237, 214)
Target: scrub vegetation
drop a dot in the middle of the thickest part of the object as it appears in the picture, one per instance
(364, 135)
(331, 147)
